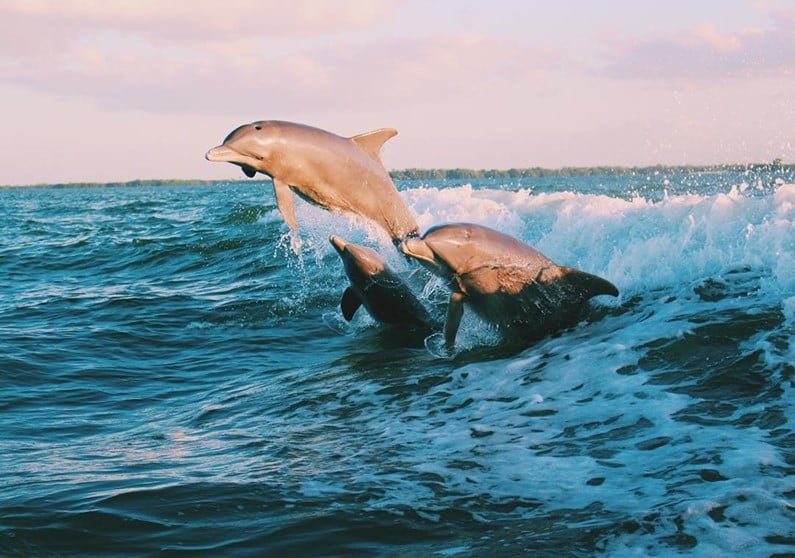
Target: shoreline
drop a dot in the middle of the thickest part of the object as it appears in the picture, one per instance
(457, 174)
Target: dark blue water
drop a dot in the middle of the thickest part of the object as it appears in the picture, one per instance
(170, 385)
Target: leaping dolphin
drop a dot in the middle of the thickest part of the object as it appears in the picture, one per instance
(373, 284)
(333, 172)
(506, 282)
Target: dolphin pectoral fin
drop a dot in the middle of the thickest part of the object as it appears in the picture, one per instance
(249, 171)
(284, 199)
(350, 303)
(455, 309)
(372, 142)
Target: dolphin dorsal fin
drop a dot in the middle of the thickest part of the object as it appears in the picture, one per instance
(372, 142)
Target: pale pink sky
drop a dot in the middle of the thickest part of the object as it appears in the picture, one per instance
(106, 90)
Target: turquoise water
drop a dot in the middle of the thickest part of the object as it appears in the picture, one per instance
(170, 385)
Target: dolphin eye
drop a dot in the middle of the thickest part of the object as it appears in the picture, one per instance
(258, 127)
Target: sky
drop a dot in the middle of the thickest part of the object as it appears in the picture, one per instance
(114, 90)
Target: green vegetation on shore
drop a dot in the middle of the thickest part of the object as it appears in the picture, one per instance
(539, 172)
(474, 174)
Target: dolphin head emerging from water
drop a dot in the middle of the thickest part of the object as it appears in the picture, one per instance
(387, 298)
(362, 264)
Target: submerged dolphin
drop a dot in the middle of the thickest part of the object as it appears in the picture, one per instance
(506, 282)
(373, 284)
(336, 173)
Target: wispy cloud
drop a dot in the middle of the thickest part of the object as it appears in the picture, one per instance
(407, 70)
(103, 52)
(201, 19)
(706, 52)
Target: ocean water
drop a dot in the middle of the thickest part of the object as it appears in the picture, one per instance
(176, 379)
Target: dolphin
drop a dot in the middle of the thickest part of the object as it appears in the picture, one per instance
(506, 282)
(333, 172)
(373, 284)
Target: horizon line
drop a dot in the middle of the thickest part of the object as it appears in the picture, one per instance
(457, 173)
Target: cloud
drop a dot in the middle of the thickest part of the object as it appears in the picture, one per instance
(407, 70)
(199, 19)
(705, 52)
(130, 72)
(113, 50)
(191, 56)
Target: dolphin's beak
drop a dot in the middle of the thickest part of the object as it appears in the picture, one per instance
(338, 243)
(224, 154)
(221, 154)
(416, 248)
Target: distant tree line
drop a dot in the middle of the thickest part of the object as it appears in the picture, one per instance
(473, 174)
(141, 183)
(539, 172)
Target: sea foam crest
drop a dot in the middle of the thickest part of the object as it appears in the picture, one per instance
(636, 243)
